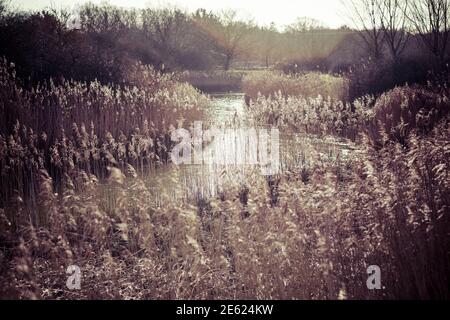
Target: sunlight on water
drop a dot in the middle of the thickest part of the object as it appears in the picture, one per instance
(228, 110)
(226, 107)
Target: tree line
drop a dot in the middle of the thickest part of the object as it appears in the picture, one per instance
(391, 24)
(168, 38)
(99, 41)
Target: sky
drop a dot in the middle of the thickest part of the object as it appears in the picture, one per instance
(282, 12)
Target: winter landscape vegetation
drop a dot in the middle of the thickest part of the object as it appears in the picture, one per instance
(91, 96)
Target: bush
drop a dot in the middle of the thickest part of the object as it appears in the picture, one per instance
(42, 48)
(375, 77)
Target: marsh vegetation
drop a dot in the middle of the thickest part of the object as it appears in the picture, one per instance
(86, 176)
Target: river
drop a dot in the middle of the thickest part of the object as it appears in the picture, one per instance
(185, 182)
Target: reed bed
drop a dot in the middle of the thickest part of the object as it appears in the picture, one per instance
(307, 85)
(394, 113)
(318, 116)
(308, 233)
(88, 126)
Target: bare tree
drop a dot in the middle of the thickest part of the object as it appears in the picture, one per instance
(304, 24)
(228, 32)
(268, 37)
(3, 7)
(233, 35)
(305, 32)
(62, 14)
(165, 27)
(104, 18)
(393, 24)
(430, 20)
(366, 16)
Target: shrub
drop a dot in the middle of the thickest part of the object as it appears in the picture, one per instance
(371, 77)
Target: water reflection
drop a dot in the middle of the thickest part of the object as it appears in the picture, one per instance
(228, 110)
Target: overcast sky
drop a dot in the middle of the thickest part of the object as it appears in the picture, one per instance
(281, 12)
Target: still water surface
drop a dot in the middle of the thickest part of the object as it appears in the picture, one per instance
(206, 180)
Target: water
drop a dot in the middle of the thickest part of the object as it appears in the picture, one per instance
(205, 180)
(227, 107)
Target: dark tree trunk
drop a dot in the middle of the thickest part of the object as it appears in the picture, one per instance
(228, 60)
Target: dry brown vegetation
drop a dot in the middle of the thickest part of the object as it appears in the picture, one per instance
(72, 161)
(308, 85)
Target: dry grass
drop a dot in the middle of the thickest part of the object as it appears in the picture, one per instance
(317, 116)
(309, 85)
(400, 111)
(302, 235)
